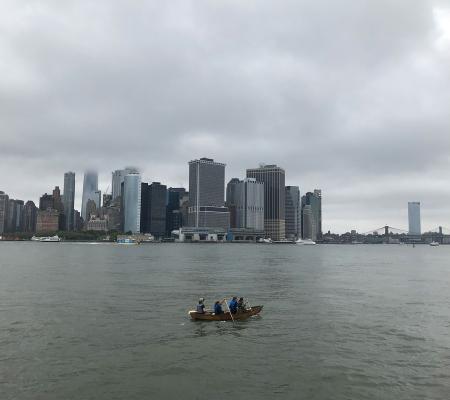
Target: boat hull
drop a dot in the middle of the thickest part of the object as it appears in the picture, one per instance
(226, 316)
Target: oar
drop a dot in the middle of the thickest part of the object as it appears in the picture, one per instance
(229, 310)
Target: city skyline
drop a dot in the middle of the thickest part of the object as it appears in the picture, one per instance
(352, 98)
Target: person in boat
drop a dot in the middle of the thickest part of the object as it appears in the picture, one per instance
(218, 308)
(233, 305)
(201, 305)
(241, 306)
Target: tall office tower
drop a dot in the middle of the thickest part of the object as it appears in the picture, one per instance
(173, 214)
(293, 212)
(18, 223)
(206, 195)
(45, 202)
(57, 200)
(314, 199)
(230, 201)
(246, 198)
(12, 216)
(90, 187)
(117, 180)
(273, 178)
(4, 202)
(29, 215)
(308, 226)
(91, 211)
(153, 209)
(98, 198)
(132, 203)
(69, 200)
(414, 218)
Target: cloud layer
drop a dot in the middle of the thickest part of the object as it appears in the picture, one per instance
(351, 97)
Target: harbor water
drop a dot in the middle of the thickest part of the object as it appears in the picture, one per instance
(104, 321)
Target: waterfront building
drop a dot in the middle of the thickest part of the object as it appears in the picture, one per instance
(273, 178)
(314, 200)
(173, 212)
(414, 218)
(47, 221)
(18, 222)
(97, 224)
(69, 200)
(118, 178)
(4, 202)
(153, 209)
(90, 191)
(293, 212)
(29, 215)
(206, 194)
(246, 199)
(131, 199)
(77, 221)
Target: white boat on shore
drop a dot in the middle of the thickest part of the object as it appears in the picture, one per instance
(305, 242)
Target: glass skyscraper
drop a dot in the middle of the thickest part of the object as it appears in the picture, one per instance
(293, 212)
(273, 178)
(90, 187)
(69, 199)
(206, 195)
(414, 218)
(132, 203)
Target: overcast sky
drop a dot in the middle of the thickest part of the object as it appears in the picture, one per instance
(352, 97)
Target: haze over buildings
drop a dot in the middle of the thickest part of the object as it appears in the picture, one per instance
(348, 96)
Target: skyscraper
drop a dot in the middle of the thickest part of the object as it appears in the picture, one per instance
(4, 202)
(293, 212)
(90, 187)
(206, 194)
(273, 178)
(29, 215)
(308, 226)
(153, 209)
(132, 202)
(414, 218)
(314, 200)
(69, 200)
(174, 218)
(117, 180)
(246, 198)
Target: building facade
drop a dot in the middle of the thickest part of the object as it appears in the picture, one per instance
(29, 216)
(314, 200)
(273, 178)
(69, 200)
(132, 203)
(206, 195)
(90, 187)
(4, 202)
(47, 221)
(246, 199)
(153, 209)
(414, 218)
(293, 212)
(173, 214)
(118, 177)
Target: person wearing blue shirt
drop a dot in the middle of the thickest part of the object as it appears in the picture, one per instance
(217, 308)
(233, 305)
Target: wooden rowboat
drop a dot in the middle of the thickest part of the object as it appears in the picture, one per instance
(226, 316)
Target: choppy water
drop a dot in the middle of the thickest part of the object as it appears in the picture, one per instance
(80, 321)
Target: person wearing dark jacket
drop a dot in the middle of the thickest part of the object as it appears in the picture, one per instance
(218, 308)
(233, 305)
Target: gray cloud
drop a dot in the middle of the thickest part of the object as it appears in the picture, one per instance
(349, 96)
